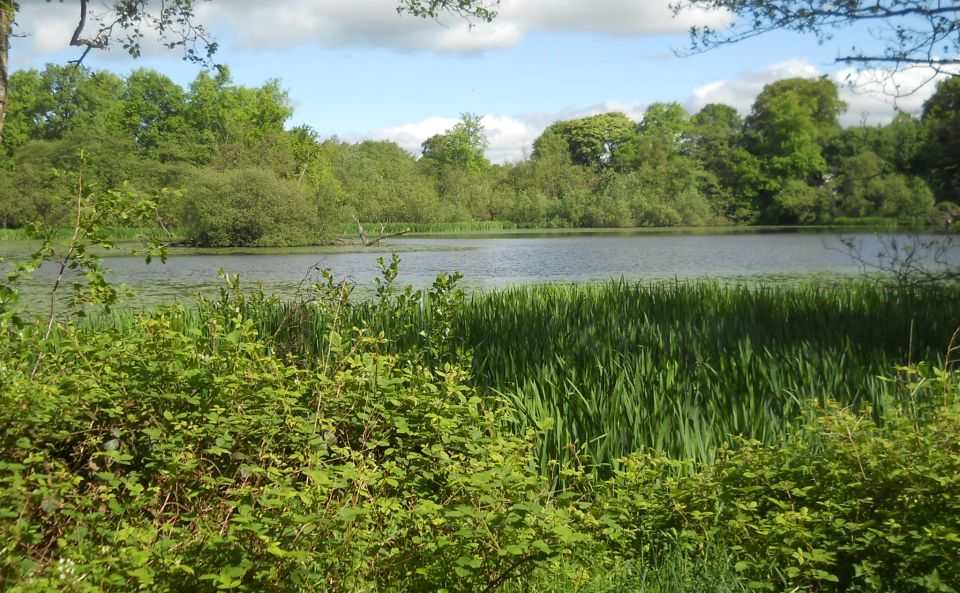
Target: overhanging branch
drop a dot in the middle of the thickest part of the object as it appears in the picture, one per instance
(99, 42)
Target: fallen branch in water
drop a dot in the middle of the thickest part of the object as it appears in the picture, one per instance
(383, 234)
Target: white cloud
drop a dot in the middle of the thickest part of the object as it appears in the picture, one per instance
(871, 95)
(335, 23)
(510, 138)
(874, 96)
(608, 17)
(410, 136)
(254, 25)
(282, 24)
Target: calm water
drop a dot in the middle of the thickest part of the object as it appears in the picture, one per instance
(488, 261)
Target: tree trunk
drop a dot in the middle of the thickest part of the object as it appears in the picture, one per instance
(7, 9)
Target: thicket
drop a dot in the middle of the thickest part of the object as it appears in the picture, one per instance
(248, 208)
(788, 162)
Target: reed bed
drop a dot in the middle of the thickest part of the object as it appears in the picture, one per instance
(679, 366)
(682, 367)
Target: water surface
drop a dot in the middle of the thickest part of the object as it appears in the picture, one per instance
(500, 259)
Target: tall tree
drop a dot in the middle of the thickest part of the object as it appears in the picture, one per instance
(7, 10)
(941, 115)
(715, 139)
(461, 147)
(790, 122)
(153, 107)
(592, 140)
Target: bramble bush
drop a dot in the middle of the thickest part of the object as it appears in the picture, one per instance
(165, 457)
(841, 505)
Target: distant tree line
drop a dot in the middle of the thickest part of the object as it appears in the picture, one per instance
(248, 179)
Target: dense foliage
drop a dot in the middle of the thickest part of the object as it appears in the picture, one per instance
(843, 505)
(162, 458)
(788, 161)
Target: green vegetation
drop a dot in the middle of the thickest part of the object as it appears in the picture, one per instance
(120, 233)
(210, 463)
(255, 445)
(248, 208)
(875, 222)
(347, 445)
(677, 367)
(246, 179)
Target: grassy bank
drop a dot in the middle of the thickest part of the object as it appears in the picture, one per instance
(373, 230)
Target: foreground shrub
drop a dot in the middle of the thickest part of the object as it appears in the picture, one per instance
(153, 457)
(843, 505)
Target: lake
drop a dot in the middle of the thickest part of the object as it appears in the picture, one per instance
(503, 258)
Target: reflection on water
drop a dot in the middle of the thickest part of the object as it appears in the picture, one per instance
(492, 260)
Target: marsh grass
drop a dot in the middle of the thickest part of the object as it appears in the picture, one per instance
(881, 222)
(605, 369)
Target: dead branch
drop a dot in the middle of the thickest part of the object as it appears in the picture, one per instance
(383, 234)
(98, 42)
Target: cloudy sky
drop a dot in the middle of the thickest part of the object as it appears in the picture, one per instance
(357, 69)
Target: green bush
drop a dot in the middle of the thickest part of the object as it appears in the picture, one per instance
(843, 505)
(169, 459)
(247, 208)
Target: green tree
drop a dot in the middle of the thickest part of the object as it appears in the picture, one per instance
(715, 139)
(381, 182)
(552, 174)
(902, 143)
(49, 103)
(153, 108)
(247, 208)
(665, 193)
(941, 117)
(591, 141)
(669, 119)
(791, 121)
(461, 147)
(659, 135)
(457, 163)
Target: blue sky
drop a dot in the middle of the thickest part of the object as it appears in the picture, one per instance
(356, 69)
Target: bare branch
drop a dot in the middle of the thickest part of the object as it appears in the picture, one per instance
(98, 42)
(911, 32)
